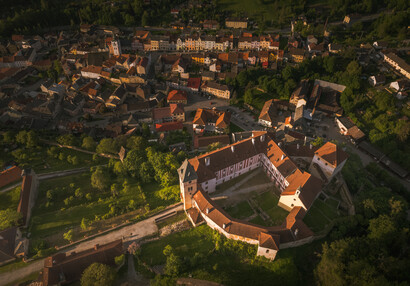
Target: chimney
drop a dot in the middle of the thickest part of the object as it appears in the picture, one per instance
(262, 137)
(253, 140)
(96, 246)
(280, 144)
(296, 231)
(283, 157)
(232, 148)
(207, 161)
(297, 146)
(207, 210)
(310, 146)
(224, 226)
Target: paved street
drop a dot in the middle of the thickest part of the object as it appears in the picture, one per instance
(129, 233)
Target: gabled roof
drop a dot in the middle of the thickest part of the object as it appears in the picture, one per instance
(10, 175)
(270, 241)
(168, 126)
(332, 154)
(187, 172)
(176, 108)
(177, 95)
(268, 112)
(204, 116)
(23, 206)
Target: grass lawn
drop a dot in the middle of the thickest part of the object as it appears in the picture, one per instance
(332, 203)
(315, 220)
(258, 179)
(176, 218)
(259, 221)
(328, 210)
(42, 162)
(222, 187)
(233, 264)
(234, 128)
(10, 199)
(268, 202)
(50, 221)
(240, 210)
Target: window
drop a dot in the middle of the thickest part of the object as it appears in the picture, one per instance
(326, 164)
(267, 250)
(318, 158)
(294, 200)
(206, 183)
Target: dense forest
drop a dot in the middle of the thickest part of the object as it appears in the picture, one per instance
(31, 16)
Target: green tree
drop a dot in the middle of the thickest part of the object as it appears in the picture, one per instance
(145, 19)
(9, 218)
(115, 189)
(67, 139)
(84, 224)
(173, 266)
(214, 146)
(106, 145)
(88, 143)
(98, 274)
(8, 137)
(136, 142)
(135, 158)
(100, 178)
(68, 235)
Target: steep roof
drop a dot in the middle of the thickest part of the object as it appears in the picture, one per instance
(176, 108)
(168, 126)
(23, 206)
(187, 172)
(10, 175)
(267, 112)
(177, 95)
(161, 112)
(204, 116)
(332, 154)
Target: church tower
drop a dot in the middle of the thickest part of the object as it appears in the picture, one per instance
(188, 181)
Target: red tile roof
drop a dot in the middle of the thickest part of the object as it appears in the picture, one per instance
(221, 119)
(194, 83)
(332, 154)
(269, 237)
(169, 126)
(10, 175)
(176, 95)
(23, 206)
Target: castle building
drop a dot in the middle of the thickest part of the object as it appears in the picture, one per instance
(200, 175)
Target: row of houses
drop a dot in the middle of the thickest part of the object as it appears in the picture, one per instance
(145, 41)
